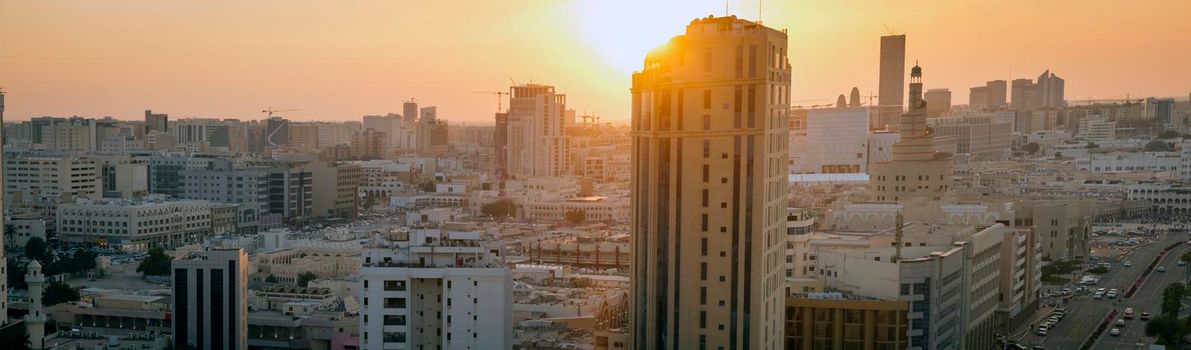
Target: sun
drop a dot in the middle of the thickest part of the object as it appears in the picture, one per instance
(621, 32)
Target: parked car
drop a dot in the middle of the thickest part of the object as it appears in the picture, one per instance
(1127, 264)
(1120, 322)
(1041, 331)
(1161, 268)
(1145, 316)
(1116, 332)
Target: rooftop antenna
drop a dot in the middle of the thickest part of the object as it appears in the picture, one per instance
(887, 29)
(725, 8)
(897, 237)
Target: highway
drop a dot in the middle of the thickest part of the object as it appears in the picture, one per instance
(1147, 299)
(1084, 313)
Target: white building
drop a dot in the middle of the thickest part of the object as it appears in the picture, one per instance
(880, 146)
(435, 290)
(211, 300)
(953, 290)
(836, 141)
(1119, 162)
(134, 224)
(1097, 129)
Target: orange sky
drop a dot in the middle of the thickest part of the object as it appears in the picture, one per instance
(339, 60)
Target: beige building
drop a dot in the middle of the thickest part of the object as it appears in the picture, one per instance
(818, 322)
(538, 145)
(709, 122)
(336, 189)
(916, 168)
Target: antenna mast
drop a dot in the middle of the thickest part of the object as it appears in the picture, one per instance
(897, 238)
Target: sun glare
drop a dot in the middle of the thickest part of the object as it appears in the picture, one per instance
(621, 32)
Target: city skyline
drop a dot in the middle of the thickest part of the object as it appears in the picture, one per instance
(339, 62)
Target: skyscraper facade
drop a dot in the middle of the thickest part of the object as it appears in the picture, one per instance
(211, 300)
(156, 121)
(937, 101)
(537, 142)
(891, 89)
(710, 126)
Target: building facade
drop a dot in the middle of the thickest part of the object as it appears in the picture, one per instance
(710, 121)
(211, 300)
(435, 290)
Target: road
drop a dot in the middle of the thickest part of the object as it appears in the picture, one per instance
(1083, 312)
(1147, 299)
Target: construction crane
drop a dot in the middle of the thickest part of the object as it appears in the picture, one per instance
(498, 94)
(271, 111)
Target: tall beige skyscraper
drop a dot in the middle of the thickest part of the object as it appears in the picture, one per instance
(538, 145)
(916, 170)
(710, 122)
(891, 87)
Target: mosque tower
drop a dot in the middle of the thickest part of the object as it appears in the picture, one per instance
(917, 169)
(35, 320)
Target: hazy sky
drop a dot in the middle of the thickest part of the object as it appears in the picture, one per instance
(339, 60)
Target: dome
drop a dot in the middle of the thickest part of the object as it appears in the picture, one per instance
(34, 268)
(916, 72)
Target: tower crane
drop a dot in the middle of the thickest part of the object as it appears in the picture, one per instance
(271, 111)
(498, 94)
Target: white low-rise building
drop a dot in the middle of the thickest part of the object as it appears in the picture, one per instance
(435, 290)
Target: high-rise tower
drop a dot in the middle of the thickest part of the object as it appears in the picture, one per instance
(891, 87)
(710, 122)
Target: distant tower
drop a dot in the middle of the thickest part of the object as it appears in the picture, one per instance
(409, 113)
(3, 260)
(891, 86)
(841, 102)
(35, 320)
(854, 100)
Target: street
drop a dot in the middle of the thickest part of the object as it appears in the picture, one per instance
(1084, 313)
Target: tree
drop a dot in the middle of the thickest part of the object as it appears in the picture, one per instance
(1058, 154)
(1168, 329)
(305, 278)
(156, 264)
(83, 260)
(1032, 148)
(1157, 146)
(501, 208)
(576, 216)
(1168, 134)
(270, 278)
(1172, 299)
(58, 292)
(37, 249)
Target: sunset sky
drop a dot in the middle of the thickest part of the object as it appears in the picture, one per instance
(339, 60)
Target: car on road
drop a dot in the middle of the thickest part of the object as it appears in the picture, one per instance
(1101, 290)
(1066, 291)
(1111, 295)
(1041, 331)
(1145, 316)
(1161, 268)
(1120, 322)
(1128, 313)
(1116, 332)
(1127, 264)
(1182, 263)
(1098, 295)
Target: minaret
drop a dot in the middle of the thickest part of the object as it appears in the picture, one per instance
(35, 320)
